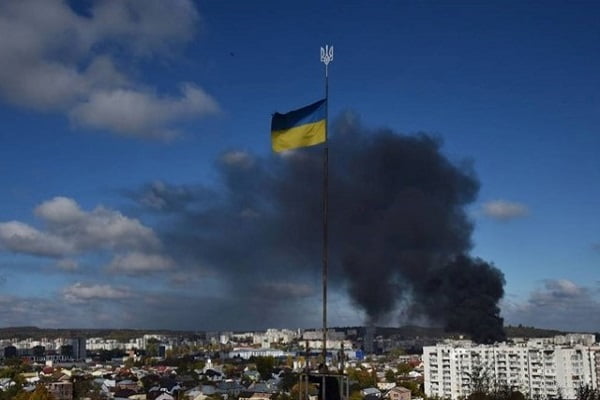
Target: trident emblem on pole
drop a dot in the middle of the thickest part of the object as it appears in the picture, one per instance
(326, 56)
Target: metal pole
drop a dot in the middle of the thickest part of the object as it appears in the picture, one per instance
(326, 58)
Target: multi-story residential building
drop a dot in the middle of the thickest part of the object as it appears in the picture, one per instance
(281, 336)
(79, 348)
(546, 368)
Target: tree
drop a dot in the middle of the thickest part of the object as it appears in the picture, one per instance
(404, 368)
(390, 376)
(83, 387)
(311, 388)
(362, 377)
(480, 381)
(40, 393)
(356, 395)
(288, 380)
(587, 393)
(264, 365)
(413, 386)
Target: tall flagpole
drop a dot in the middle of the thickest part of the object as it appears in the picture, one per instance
(326, 58)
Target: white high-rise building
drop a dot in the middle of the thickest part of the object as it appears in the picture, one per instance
(543, 368)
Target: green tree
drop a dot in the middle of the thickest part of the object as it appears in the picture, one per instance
(362, 377)
(415, 387)
(152, 347)
(404, 368)
(356, 395)
(288, 380)
(40, 393)
(264, 365)
(83, 387)
(390, 376)
(12, 393)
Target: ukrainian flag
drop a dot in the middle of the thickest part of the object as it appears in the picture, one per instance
(304, 127)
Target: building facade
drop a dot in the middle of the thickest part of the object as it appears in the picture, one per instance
(540, 368)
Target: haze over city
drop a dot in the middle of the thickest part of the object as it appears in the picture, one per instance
(139, 189)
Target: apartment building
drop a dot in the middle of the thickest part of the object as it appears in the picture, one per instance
(544, 368)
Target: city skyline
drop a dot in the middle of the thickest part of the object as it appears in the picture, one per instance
(120, 121)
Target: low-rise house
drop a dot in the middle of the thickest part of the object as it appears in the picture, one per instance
(194, 394)
(165, 396)
(230, 388)
(124, 393)
(213, 375)
(384, 386)
(62, 390)
(108, 385)
(253, 375)
(261, 396)
(6, 383)
(399, 393)
(371, 393)
(128, 384)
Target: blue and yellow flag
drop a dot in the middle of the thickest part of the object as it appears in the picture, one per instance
(299, 128)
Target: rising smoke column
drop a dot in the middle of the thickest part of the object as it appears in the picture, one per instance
(399, 232)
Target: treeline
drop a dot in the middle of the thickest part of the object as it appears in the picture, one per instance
(24, 332)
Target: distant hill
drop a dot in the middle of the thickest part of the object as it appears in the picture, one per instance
(413, 331)
(410, 331)
(22, 332)
(529, 332)
(403, 332)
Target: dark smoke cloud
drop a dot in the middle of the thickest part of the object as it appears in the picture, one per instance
(399, 233)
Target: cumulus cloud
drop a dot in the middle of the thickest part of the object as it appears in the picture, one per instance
(71, 230)
(58, 60)
(99, 228)
(557, 304)
(18, 311)
(136, 113)
(59, 210)
(504, 210)
(139, 263)
(81, 292)
(18, 237)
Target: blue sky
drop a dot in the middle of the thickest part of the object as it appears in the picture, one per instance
(100, 101)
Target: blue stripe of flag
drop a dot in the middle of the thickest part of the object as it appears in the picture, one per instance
(302, 116)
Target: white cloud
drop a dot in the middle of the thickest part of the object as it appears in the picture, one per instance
(60, 210)
(80, 293)
(140, 263)
(149, 27)
(99, 228)
(136, 113)
(71, 230)
(558, 304)
(21, 238)
(504, 210)
(54, 59)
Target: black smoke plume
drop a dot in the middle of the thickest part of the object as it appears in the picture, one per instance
(399, 232)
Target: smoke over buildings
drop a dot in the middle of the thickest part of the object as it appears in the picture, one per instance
(399, 232)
